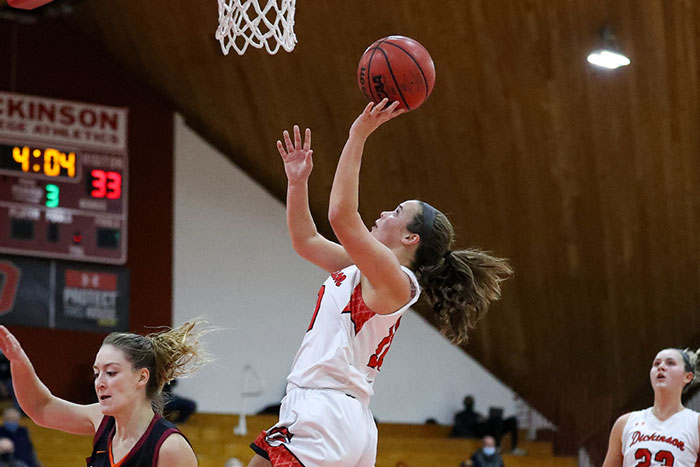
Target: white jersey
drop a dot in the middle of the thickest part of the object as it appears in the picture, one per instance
(346, 342)
(649, 442)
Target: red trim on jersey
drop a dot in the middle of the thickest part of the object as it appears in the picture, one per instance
(377, 360)
(279, 455)
(321, 292)
(160, 442)
(136, 446)
(360, 313)
(100, 429)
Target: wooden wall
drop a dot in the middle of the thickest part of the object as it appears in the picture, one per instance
(51, 59)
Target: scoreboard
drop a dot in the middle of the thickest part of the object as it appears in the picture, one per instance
(63, 179)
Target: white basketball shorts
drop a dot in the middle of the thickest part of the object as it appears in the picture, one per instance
(320, 428)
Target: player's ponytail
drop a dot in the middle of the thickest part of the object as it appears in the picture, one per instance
(166, 355)
(459, 284)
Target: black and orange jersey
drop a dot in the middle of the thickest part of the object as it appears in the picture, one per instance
(143, 454)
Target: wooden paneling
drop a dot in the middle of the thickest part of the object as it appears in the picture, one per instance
(587, 179)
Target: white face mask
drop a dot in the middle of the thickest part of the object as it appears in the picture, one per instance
(489, 450)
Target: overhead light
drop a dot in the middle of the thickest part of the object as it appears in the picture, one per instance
(608, 59)
(609, 56)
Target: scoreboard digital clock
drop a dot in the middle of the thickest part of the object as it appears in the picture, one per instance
(47, 161)
(62, 202)
(63, 179)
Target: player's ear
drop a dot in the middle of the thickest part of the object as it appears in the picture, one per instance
(688, 377)
(144, 375)
(410, 239)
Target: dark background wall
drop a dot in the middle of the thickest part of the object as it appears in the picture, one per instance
(52, 60)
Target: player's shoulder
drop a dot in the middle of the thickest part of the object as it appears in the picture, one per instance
(691, 416)
(622, 420)
(694, 414)
(176, 451)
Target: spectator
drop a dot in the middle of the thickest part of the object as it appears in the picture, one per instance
(7, 456)
(471, 424)
(23, 447)
(468, 423)
(177, 409)
(487, 455)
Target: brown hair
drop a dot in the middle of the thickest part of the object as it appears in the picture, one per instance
(459, 284)
(166, 355)
(690, 363)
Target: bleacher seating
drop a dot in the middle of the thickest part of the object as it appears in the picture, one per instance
(214, 442)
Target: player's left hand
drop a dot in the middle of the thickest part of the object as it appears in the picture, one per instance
(10, 345)
(298, 162)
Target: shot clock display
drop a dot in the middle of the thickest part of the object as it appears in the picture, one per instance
(62, 202)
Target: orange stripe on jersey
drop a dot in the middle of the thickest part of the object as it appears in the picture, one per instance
(111, 457)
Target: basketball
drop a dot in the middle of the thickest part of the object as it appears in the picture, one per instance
(27, 4)
(399, 68)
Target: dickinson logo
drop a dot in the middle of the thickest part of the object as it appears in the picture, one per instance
(638, 437)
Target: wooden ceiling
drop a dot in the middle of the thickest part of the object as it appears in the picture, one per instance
(587, 179)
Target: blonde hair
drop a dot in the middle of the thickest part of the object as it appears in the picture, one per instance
(167, 354)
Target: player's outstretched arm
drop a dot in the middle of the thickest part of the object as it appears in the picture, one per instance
(613, 458)
(376, 262)
(36, 400)
(306, 240)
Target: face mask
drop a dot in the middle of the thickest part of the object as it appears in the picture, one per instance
(489, 450)
(6, 457)
(11, 426)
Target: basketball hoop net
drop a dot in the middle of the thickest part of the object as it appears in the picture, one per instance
(245, 22)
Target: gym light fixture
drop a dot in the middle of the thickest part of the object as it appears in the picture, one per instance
(608, 56)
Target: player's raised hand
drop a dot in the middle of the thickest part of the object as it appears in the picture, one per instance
(374, 115)
(296, 155)
(10, 345)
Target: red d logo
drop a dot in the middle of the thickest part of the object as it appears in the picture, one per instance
(9, 280)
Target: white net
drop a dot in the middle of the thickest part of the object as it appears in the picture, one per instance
(246, 22)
